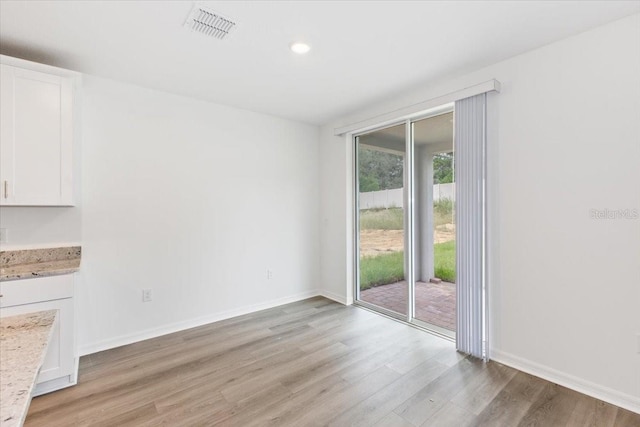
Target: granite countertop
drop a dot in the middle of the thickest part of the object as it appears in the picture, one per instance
(28, 263)
(23, 344)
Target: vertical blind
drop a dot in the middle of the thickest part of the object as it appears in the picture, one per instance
(470, 173)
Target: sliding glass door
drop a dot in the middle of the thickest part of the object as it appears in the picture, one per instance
(381, 221)
(434, 223)
(405, 199)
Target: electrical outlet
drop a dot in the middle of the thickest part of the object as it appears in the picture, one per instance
(146, 295)
(269, 274)
(4, 235)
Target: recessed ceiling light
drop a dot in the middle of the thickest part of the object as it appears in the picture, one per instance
(300, 48)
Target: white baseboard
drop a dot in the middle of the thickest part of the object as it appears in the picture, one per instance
(335, 297)
(623, 400)
(54, 385)
(191, 323)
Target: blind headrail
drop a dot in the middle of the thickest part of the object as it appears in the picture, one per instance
(417, 109)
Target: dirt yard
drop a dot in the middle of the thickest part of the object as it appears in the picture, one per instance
(376, 242)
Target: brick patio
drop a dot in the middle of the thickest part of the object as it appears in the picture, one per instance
(435, 303)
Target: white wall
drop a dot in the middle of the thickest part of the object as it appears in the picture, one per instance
(195, 201)
(35, 227)
(336, 215)
(564, 288)
(190, 199)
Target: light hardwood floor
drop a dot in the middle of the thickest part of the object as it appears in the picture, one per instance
(310, 363)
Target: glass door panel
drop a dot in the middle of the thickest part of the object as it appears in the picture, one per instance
(434, 223)
(380, 219)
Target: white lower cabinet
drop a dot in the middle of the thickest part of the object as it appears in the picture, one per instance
(60, 368)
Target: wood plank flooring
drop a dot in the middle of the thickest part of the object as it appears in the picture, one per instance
(310, 363)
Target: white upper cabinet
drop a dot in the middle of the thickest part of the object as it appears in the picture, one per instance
(36, 140)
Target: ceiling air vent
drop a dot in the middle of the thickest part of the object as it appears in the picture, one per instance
(209, 23)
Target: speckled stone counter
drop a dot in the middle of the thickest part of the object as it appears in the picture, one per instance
(23, 344)
(29, 263)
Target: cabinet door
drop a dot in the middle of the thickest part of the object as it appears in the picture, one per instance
(60, 359)
(36, 141)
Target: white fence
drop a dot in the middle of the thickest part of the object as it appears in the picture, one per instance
(444, 191)
(393, 198)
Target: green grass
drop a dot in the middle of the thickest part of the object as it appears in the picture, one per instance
(381, 269)
(393, 218)
(443, 206)
(389, 268)
(443, 211)
(382, 219)
(444, 260)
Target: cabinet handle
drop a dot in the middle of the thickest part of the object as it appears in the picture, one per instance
(6, 189)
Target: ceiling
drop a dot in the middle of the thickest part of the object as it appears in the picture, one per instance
(362, 51)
